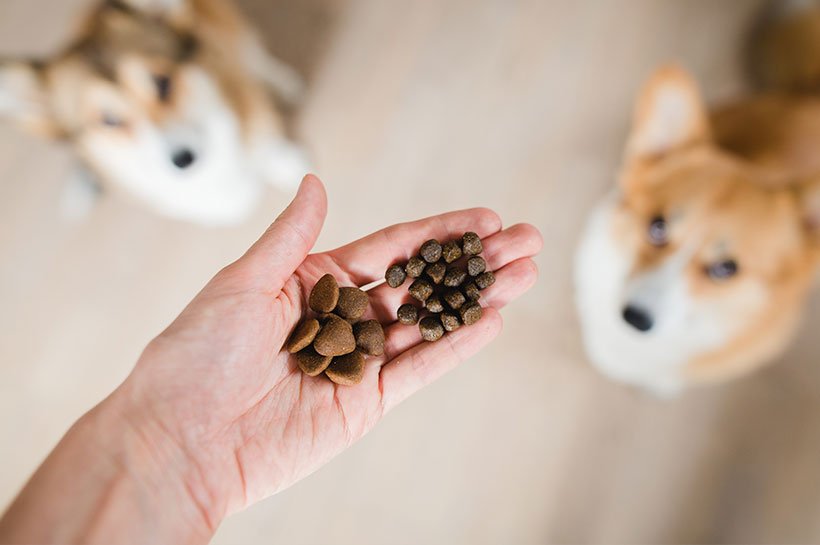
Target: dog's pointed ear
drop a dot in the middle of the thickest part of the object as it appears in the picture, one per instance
(670, 115)
(23, 96)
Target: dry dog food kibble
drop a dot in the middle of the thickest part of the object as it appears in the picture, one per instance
(334, 342)
(415, 267)
(325, 295)
(408, 314)
(431, 328)
(447, 297)
(395, 276)
(430, 251)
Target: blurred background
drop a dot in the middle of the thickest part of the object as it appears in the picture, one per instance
(415, 108)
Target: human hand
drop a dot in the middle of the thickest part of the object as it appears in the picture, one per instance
(219, 405)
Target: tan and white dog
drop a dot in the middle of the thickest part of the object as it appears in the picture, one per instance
(695, 268)
(166, 101)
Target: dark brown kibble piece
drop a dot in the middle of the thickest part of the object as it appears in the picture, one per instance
(450, 321)
(476, 265)
(434, 304)
(303, 335)
(408, 314)
(470, 313)
(324, 295)
(335, 338)
(415, 267)
(451, 251)
(471, 244)
(352, 303)
(485, 280)
(347, 370)
(454, 277)
(436, 272)
(430, 251)
(421, 289)
(431, 328)
(472, 292)
(395, 276)
(311, 362)
(455, 299)
(369, 337)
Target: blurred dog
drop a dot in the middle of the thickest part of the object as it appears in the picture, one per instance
(166, 101)
(695, 268)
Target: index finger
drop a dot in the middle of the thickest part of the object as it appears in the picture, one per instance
(366, 259)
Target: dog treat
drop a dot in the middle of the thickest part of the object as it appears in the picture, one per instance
(303, 336)
(447, 297)
(454, 277)
(408, 314)
(347, 370)
(352, 303)
(430, 251)
(415, 267)
(324, 295)
(451, 251)
(421, 289)
(431, 328)
(369, 337)
(470, 313)
(455, 299)
(485, 280)
(476, 265)
(434, 304)
(436, 271)
(471, 244)
(472, 292)
(450, 321)
(335, 338)
(395, 276)
(311, 362)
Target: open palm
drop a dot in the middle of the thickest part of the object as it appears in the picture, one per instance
(220, 383)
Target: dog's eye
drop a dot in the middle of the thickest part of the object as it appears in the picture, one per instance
(110, 120)
(722, 270)
(163, 84)
(658, 231)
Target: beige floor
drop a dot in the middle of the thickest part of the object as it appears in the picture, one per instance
(521, 105)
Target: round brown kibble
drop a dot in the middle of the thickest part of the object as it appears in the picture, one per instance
(421, 289)
(311, 362)
(470, 313)
(395, 276)
(431, 328)
(485, 280)
(347, 370)
(408, 314)
(434, 304)
(415, 267)
(335, 338)
(303, 335)
(369, 337)
(352, 303)
(472, 292)
(324, 295)
(451, 251)
(436, 272)
(471, 244)
(430, 251)
(455, 299)
(476, 265)
(454, 277)
(450, 321)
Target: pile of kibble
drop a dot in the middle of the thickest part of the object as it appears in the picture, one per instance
(335, 342)
(447, 281)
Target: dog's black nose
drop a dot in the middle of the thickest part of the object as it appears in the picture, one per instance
(183, 158)
(637, 318)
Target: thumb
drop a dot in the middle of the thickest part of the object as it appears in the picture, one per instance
(289, 239)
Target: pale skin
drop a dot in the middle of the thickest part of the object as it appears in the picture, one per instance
(217, 416)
